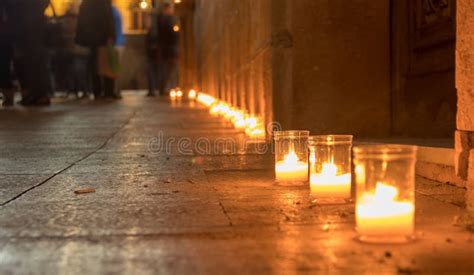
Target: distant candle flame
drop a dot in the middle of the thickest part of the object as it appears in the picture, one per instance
(253, 125)
(192, 94)
(206, 99)
(173, 93)
(143, 5)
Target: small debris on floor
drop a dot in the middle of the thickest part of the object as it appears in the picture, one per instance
(146, 186)
(167, 181)
(84, 191)
(448, 240)
(388, 254)
(191, 181)
(176, 191)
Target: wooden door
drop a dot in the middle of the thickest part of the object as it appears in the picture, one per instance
(423, 56)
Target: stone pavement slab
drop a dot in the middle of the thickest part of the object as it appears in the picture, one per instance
(169, 212)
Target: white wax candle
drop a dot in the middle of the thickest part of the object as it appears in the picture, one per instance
(379, 214)
(291, 169)
(328, 185)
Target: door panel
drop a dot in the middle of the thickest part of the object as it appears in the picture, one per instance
(423, 56)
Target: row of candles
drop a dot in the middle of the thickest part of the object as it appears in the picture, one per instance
(251, 124)
(382, 177)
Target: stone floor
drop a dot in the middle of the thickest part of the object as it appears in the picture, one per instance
(184, 207)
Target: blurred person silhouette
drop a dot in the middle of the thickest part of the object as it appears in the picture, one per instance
(96, 29)
(6, 52)
(119, 46)
(71, 61)
(163, 51)
(30, 37)
(152, 54)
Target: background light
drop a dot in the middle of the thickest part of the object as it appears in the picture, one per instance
(143, 5)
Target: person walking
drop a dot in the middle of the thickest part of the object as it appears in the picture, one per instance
(152, 54)
(30, 37)
(72, 58)
(163, 51)
(168, 45)
(119, 46)
(96, 29)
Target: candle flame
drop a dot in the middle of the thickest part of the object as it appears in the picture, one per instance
(385, 192)
(383, 201)
(329, 169)
(206, 99)
(173, 93)
(251, 122)
(192, 94)
(291, 157)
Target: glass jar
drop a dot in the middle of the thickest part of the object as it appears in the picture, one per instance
(291, 157)
(330, 168)
(385, 184)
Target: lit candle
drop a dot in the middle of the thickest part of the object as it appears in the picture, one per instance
(206, 99)
(173, 94)
(380, 214)
(257, 133)
(179, 93)
(328, 184)
(291, 169)
(251, 122)
(192, 94)
(239, 120)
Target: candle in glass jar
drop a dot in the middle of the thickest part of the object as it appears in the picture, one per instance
(291, 169)
(328, 184)
(380, 214)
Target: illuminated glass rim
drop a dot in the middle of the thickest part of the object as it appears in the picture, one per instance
(330, 139)
(291, 134)
(385, 151)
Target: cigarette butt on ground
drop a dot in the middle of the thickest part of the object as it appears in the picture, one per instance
(84, 191)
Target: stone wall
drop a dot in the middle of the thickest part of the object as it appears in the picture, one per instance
(235, 44)
(465, 88)
(341, 66)
(317, 65)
